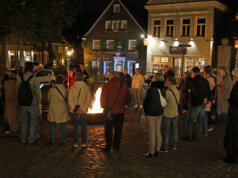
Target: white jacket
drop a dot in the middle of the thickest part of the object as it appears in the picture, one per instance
(84, 99)
(137, 81)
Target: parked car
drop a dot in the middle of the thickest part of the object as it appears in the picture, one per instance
(45, 76)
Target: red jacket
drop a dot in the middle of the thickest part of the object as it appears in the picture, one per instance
(71, 81)
(109, 93)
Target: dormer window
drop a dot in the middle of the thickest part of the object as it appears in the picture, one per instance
(116, 8)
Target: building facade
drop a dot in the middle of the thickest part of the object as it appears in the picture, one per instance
(114, 41)
(184, 33)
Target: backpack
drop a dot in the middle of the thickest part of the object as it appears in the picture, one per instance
(25, 95)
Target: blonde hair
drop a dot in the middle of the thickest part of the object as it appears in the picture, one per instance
(113, 74)
(235, 73)
(159, 77)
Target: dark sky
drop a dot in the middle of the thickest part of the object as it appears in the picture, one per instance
(99, 5)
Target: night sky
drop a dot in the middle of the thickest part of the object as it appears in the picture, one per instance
(99, 5)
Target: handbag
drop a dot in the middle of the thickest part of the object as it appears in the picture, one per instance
(108, 111)
(77, 107)
(180, 111)
(163, 101)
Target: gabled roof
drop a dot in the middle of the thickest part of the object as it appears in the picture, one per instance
(104, 12)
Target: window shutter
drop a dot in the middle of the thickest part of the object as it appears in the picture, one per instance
(137, 45)
(126, 45)
(125, 64)
(101, 67)
(91, 45)
(115, 45)
(112, 66)
(101, 45)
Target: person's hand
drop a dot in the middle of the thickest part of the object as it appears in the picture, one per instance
(205, 100)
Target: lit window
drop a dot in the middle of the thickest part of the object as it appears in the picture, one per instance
(186, 27)
(124, 24)
(108, 25)
(132, 45)
(96, 44)
(110, 44)
(201, 27)
(116, 8)
(116, 25)
(156, 28)
(169, 28)
(107, 67)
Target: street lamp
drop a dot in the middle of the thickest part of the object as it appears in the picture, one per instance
(68, 54)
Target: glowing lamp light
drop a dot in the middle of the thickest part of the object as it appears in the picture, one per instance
(69, 53)
(146, 43)
(176, 43)
(142, 36)
(236, 44)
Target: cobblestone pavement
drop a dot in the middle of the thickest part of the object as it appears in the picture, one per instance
(191, 159)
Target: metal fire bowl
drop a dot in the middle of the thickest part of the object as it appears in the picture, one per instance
(94, 119)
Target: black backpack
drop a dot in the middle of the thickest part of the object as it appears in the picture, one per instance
(25, 95)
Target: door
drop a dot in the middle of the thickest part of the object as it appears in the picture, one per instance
(177, 65)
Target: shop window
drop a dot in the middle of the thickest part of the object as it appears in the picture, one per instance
(95, 63)
(201, 27)
(116, 8)
(156, 28)
(186, 27)
(132, 45)
(107, 67)
(158, 63)
(169, 28)
(108, 25)
(96, 44)
(110, 44)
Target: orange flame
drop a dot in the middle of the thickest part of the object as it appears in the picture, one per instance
(96, 105)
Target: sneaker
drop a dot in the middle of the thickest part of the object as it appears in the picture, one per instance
(173, 147)
(164, 150)
(84, 145)
(156, 154)
(210, 129)
(135, 106)
(75, 145)
(141, 106)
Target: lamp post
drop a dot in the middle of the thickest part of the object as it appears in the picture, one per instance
(68, 54)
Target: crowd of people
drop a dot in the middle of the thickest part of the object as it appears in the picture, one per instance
(201, 95)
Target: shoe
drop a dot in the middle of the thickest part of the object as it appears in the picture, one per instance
(187, 139)
(173, 147)
(75, 145)
(164, 150)
(84, 145)
(116, 150)
(156, 154)
(141, 106)
(149, 155)
(135, 106)
(7, 132)
(210, 129)
(106, 149)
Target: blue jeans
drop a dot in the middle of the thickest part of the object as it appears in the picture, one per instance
(193, 113)
(205, 123)
(29, 122)
(53, 131)
(83, 124)
(166, 123)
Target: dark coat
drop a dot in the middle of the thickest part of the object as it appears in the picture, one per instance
(200, 89)
(109, 93)
(127, 79)
(152, 105)
(231, 137)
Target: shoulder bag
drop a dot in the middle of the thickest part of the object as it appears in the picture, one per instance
(180, 111)
(108, 111)
(163, 101)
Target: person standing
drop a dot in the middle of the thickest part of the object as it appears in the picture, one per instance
(12, 108)
(224, 84)
(58, 112)
(231, 137)
(184, 91)
(170, 115)
(69, 80)
(154, 112)
(199, 93)
(137, 85)
(29, 102)
(125, 77)
(82, 70)
(80, 98)
(116, 93)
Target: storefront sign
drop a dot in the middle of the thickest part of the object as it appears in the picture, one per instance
(175, 50)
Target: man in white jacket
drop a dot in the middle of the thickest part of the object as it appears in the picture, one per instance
(79, 94)
(137, 84)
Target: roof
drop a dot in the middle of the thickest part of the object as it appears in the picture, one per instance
(135, 11)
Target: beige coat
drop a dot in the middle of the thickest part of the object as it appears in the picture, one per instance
(171, 110)
(12, 109)
(58, 107)
(224, 90)
(84, 99)
(137, 81)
